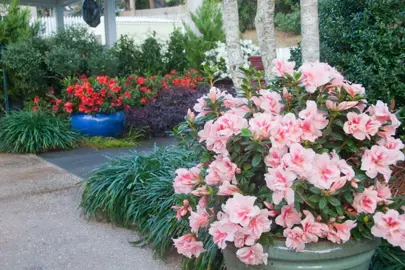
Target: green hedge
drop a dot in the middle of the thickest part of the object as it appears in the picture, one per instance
(365, 39)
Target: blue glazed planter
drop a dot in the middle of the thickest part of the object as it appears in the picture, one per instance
(101, 124)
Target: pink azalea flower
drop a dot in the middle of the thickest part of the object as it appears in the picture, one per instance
(188, 246)
(309, 132)
(383, 193)
(312, 229)
(342, 106)
(241, 209)
(299, 160)
(182, 210)
(201, 191)
(201, 107)
(391, 143)
(259, 224)
(220, 170)
(313, 76)
(261, 124)
(361, 126)
(286, 132)
(199, 219)
(230, 124)
(274, 158)
(222, 231)
(214, 141)
(253, 255)
(280, 180)
(244, 237)
(226, 189)
(340, 232)
(203, 202)
(186, 180)
(366, 202)
(378, 159)
(233, 102)
(288, 217)
(281, 66)
(268, 101)
(239, 111)
(380, 112)
(271, 207)
(312, 113)
(390, 227)
(354, 89)
(294, 238)
(325, 172)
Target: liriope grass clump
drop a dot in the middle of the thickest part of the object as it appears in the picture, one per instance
(136, 191)
(35, 132)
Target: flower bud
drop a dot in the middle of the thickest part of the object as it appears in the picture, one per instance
(190, 115)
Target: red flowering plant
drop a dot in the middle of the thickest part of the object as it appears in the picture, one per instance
(190, 79)
(93, 95)
(143, 89)
(307, 159)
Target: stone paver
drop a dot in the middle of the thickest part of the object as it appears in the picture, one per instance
(41, 227)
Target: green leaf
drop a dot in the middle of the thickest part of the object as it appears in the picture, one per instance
(348, 197)
(327, 131)
(256, 160)
(334, 201)
(245, 132)
(205, 157)
(340, 211)
(315, 190)
(322, 203)
(247, 166)
(337, 136)
(314, 198)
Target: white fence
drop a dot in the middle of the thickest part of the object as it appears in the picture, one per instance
(138, 27)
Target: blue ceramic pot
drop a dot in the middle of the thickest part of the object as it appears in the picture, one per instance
(101, 124)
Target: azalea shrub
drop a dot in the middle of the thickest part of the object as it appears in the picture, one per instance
(306, 159)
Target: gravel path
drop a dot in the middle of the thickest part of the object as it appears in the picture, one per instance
(41, 227)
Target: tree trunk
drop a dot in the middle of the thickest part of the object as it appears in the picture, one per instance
(309, 30)
(230, 19)
(264, 22)
(151, 4)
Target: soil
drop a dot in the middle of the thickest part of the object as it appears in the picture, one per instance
(283, 39)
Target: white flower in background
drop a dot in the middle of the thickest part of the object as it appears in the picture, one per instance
(217, 58)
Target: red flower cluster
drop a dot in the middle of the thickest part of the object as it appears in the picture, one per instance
(190, 79)
(100, 94)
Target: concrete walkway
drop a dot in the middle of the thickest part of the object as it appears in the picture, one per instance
(41, 227)
(81, 161)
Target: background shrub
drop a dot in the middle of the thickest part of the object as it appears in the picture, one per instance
(365, 40)
(127, 54)
(166, 111)
(26, 68)
(103, 63)
(15, 23)
(208, 20)
(175, 57)
(289, 22)
(247, 12)
(34, 132)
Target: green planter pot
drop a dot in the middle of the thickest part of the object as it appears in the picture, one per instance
(352, 255)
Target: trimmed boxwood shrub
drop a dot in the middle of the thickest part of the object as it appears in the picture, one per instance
(166, 111)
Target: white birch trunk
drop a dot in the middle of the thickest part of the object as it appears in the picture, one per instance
(264, 22)
(309, 30)
(230, 19)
